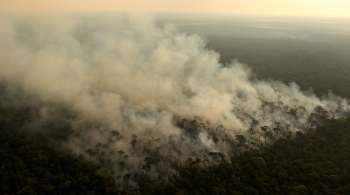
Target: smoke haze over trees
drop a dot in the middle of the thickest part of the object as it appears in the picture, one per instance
(138, 99)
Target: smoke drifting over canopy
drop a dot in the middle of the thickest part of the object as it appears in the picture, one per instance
(132, 84)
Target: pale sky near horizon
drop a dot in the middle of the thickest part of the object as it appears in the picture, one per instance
(326, 8)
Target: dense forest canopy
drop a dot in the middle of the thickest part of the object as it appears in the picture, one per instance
(87, 107)
(35, 161)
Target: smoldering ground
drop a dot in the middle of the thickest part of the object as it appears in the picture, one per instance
(145, 97)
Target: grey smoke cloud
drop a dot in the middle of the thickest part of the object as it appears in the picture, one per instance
(128, 77)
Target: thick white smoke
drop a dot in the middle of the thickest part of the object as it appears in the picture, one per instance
(140, 90)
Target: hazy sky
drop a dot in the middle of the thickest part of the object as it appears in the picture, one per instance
(256, 7)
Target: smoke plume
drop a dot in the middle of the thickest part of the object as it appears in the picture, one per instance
(146, 96)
